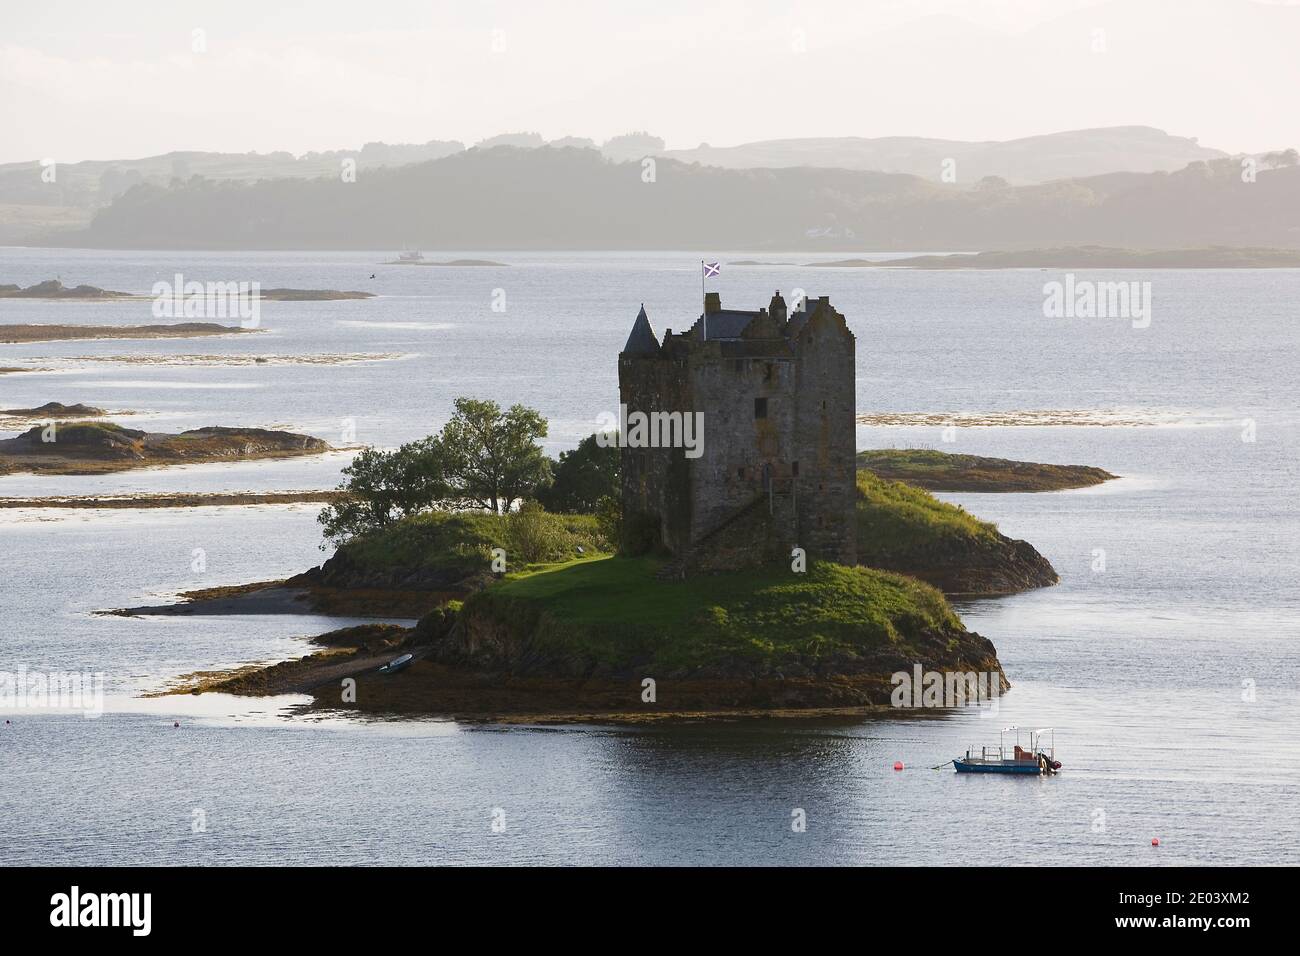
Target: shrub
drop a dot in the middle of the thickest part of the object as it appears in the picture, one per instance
(609, 521)
(532, 536)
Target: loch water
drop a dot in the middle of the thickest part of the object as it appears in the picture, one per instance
(1166, 659)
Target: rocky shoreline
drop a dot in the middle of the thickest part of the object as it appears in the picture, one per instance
(965, 567)
(473, 664)
(461, 673)
(297, 595)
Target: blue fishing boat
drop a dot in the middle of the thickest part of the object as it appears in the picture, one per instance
(1035, 759)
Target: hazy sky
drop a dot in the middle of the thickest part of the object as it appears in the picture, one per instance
(99, 80)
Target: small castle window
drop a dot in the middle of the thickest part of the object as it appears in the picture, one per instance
(738, 366)
(794, 468)
(767, 372)
(740, 472)
(760, 408)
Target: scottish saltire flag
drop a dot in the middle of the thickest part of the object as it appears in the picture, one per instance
(711, 269)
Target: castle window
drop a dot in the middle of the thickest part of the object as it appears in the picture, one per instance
(740, 472)
(738, 366)
(760, 408)
(794, 469)
(767, 372)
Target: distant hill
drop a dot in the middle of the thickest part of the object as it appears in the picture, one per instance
(30, 206)
(103, 179)
(1035, 159)
(509, 197)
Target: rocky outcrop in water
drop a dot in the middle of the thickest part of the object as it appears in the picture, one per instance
(86, 447)
(54, 289)
(55, 410)
(973, 566)
(344, 572)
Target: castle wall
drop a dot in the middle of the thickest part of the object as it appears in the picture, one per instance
(757, 534)
(738, 446)
(825, 440)
(656, 481)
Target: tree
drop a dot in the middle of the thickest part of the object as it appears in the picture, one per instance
(482, 458)
(490, 458)
(632, 146)
(609, 520)
(383, 487)
(1286, 157)
(582, 477)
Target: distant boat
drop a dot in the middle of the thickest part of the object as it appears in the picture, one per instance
(1034, 760)
(397, 664)
(414, 255)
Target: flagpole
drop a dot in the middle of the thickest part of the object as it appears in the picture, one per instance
(704, 306)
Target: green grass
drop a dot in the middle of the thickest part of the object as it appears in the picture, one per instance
(613, 611)
(442, 540)
(894, 517)
(919, 460)
(79, 433)
(90, 429)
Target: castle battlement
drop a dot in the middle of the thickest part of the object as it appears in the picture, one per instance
(775, 392)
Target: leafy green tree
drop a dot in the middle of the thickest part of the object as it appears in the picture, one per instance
(382, 487)
(491, 458)
(483, 458)
(581, 478)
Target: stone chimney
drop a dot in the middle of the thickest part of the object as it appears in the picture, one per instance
(776, 308)
(712, 303)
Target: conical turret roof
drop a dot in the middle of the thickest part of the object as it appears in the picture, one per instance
(642, 340)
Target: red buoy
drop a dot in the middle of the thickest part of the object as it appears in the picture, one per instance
(898, 765)
(1155, 841)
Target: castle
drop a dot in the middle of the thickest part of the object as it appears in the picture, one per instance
(775, 467)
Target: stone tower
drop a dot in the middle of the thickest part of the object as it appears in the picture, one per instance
(775, 467)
